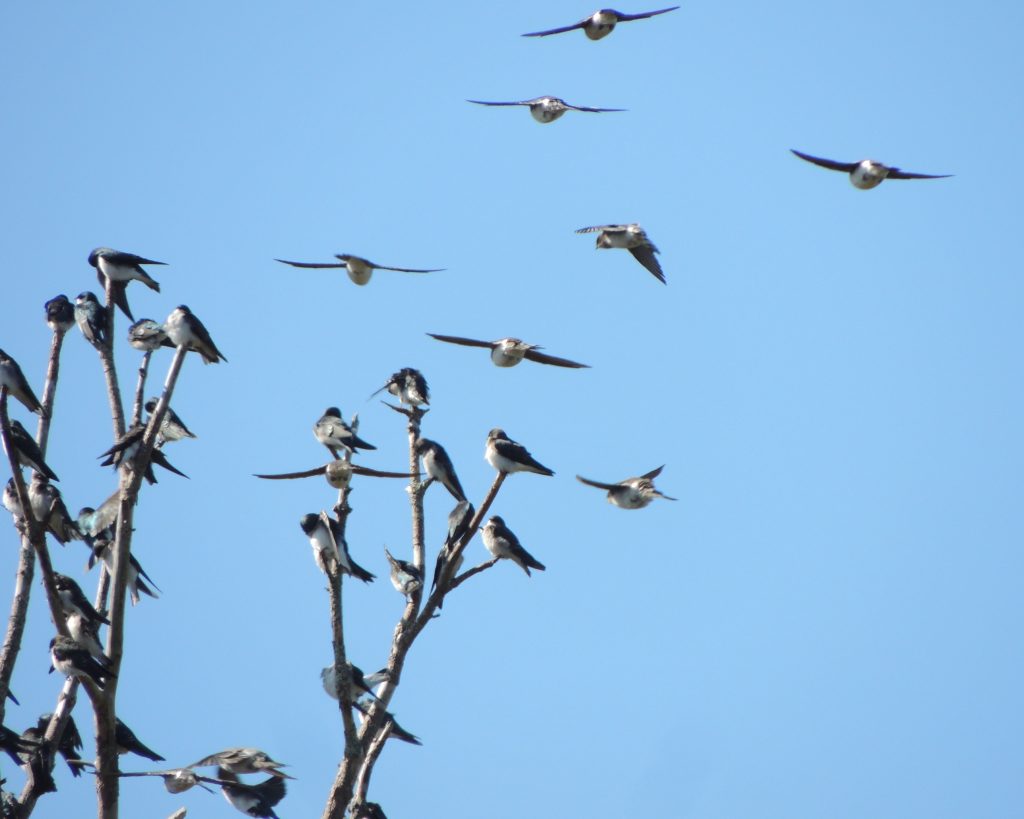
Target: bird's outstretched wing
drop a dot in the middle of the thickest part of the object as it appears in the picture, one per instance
(559, 30)
(465, 342)
(645, 255)
(896, 173)
(311, 264)
(643, 15)
(831, 164)
(606, 486)
(542, 358)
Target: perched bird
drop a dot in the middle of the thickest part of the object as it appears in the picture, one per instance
(73, 599)
(632, 238)
(458, 524)
(252, 800)
(185, 330)
(506, 455)
(68, 743)
(405, 577)
(37, 760)
(373, 810)
(332, 431)
(85, 631)
(120, 268)
(600, 23)
(17, 385)
(11, 502)
(127, 743)
(408, 386)
(91, 317)
(148, 335)
(867, 173)
(93, 523)
(48, 508)
(361, 683)
(244, 761)
(27, 451)
(103, 549)
(72, 659)
(172, 428)
(359, 270)
(632, 493)
(60, 314)
(397, 731)
(501, 542)
(507, 352)
(126, 448)
(330, 551)
(438, 466)
(338, 473)
(548, 109)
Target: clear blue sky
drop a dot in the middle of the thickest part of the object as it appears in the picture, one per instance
(825, 624)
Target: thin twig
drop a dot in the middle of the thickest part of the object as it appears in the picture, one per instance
(140, 389)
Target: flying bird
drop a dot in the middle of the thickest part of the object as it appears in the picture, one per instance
(338, 473)
(27, 451)
(17, 385)
(244, 761)
(252, 800)
(502, 543)
(72, 659)
(634, 239)
(359, 269)
(330, 551)
(172, 428)
(632, 493)
(405, 577)
(176, 780)
(867, 173)
(60, 314)
(148, 335)
(91, 317)
(548, 109)
(332, 431)
(508, 456)
(438, 466)
(600, 23)
(185, 330)
(408, 386)
(507, 352)
(120, 268)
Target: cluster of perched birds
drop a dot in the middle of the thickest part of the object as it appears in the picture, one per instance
(82, 655)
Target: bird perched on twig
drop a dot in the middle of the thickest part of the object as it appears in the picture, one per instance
(330, 551)
(439, 466)
(408, 386)
(184, 329)
(17, 385)
(508, 456)
(502, 543)
(120, 268)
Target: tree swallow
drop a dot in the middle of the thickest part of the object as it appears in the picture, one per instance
(60, 314)
(103, 549)
(17, 385)
(867, 173)
(126, 448)
(172, 428)
(548, 109)
(11, 502)
(506, 455)
(373, 810)
(95, 522)
(244, 761)
(72, 659)
(359, 270)
(68, 744)
(338, 473)
(148, 335)
(48, 508)
(507, 352)
(120, 268)
(86, 632)
(128, 743)
(252, 800)
(632, 493)
(185, 330)
(397, 731)
(332, 431)
(438, 466)
(27, 451)
(501, 542)
(458, 524)
(74, 600)
(330, 551)
(405, 577)
(600, 23)
(632, 238)
(176, 780)
(361, 683)
(92, 318)
(15, 745)
(408, 386)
